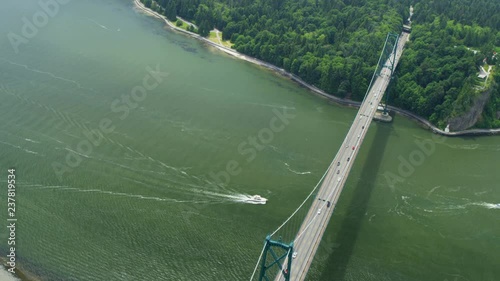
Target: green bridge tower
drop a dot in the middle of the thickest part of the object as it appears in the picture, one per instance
(277, 251)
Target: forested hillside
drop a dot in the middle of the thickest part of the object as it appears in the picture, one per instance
(437, 76)
(335, 44)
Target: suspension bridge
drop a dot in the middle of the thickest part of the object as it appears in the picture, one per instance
(284, 261)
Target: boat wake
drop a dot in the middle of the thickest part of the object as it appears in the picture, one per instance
(239, 198)
(21, 148)
(444, 206)
(96, 23)
(30, 140)
(121, 194)
(47, 73)
(488, 205)
(255, 199)
(272, 105)
(296, 172)
(213, 197)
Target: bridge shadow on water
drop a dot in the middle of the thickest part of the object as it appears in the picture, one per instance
(336, 265)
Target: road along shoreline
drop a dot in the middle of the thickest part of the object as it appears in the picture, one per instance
(426, 123)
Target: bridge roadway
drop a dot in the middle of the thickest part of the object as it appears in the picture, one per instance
(309, 236)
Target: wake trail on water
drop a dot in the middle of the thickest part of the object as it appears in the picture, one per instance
(213, 197)
(63, 117)
(95, 22)
(76, 122)
(30, 140)
(51, 138)
(20, 137)
(441, 207)
(120, 194)
(488, 205)
(235, 197)
(296, 172)
(272, 105)
(147, 157)
(47, 73)
(21, 148)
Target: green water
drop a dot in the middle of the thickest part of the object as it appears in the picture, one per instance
(141, 204)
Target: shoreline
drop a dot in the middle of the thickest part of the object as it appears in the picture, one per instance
(426, 123)
(7, 276)
(21, 273)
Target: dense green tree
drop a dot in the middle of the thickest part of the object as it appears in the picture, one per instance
(335, 44)
(170, 9)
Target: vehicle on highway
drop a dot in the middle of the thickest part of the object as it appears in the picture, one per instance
(338, 172)
(294, 255)
(328, 204)
(338, 164)
(285, 272)
(348, 158)
(353, 147)
(319, 211)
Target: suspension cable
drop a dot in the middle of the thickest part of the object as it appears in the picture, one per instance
(257, 265)
(307, 198)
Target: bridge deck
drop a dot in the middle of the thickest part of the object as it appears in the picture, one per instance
(319, 214)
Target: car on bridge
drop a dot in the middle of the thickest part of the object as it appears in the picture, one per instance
(285, 272)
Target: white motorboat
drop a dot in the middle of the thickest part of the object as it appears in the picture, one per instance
(257, 199)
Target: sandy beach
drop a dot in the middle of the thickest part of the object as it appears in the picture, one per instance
(7, 276)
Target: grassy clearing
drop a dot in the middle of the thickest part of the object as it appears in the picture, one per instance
(183, 24)
(213, 37)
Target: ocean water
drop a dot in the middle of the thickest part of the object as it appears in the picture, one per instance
(135, 150)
